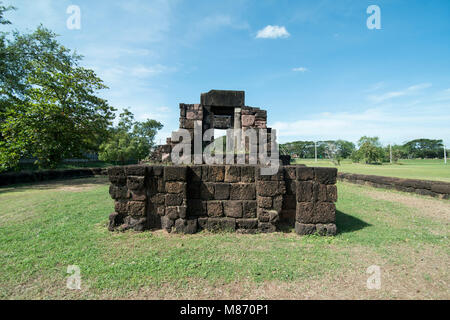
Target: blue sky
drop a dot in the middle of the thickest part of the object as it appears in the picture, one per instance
(317, 69)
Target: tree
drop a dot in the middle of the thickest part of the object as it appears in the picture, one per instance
(130, 140)
(398, 152)
(4, 9)
(424, 148)
(370, 150)
(50, 108)
(345, 148)
(332, 153)
(305, 149)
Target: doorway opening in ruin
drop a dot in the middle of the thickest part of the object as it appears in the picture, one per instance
(219, 144)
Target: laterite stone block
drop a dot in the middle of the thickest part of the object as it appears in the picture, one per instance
(325, 175)
(174, 199)
(175, 187)
(216, 173)
(249, 209)
(175, 173)
(304, 228)
(221, 224)
(247, 173)
(135, 183)
(242, 191)
(221, 191)
(138, 170)
(215, 208)
(136, 208)
(233, 209)
(305, 173)
(232, 173)
(186, 226)
(247, 223)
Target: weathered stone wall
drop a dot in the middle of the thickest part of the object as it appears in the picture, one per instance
(187, 199)
(438, 189)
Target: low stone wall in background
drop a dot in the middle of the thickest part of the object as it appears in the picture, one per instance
(438, 189)
(37, 176)
(187, 199)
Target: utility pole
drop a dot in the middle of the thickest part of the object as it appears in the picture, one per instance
(445, 155)
(315, 150)
(390, 153)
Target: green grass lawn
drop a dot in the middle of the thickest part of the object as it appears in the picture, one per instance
(427, 169)
(46, 227)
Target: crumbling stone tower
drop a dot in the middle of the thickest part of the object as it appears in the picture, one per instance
(218, 109)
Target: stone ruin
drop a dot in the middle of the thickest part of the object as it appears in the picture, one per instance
(187, 199)
(219, 109)
(222, 197)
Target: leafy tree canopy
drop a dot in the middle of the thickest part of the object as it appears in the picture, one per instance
(49, 107)
(305, 149)
(424, 148)
(130, 139)
(4, 9)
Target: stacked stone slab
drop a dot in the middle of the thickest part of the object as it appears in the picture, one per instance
(315, 194)
(288, 211)
(223, 197)
(129, 190)
(187, 199)
(270, 190)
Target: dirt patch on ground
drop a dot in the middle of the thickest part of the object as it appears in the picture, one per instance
(432, 208)
(74, 185)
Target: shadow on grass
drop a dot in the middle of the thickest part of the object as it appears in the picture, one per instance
(347, 223)
(55, 184)
(344, 222)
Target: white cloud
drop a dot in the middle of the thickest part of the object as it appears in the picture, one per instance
(220, 20)
(395, 94)
(300, 69)
(272, 32)
(158, 113)
(419, 87)
(376, 86)
(209, 25)
(143, 71)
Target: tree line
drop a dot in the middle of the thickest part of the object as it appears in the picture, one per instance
(367, 150)
(51, 109)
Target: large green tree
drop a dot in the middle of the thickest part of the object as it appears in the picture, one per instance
(370, 150)
(49, 104)
(130, 139)
(424, 148)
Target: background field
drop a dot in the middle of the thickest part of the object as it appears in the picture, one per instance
(46, 227)
(426, 169)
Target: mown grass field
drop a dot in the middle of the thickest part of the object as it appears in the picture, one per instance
(46, 227)
(426, 169)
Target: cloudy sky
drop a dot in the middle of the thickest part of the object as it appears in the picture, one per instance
(314, 65)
